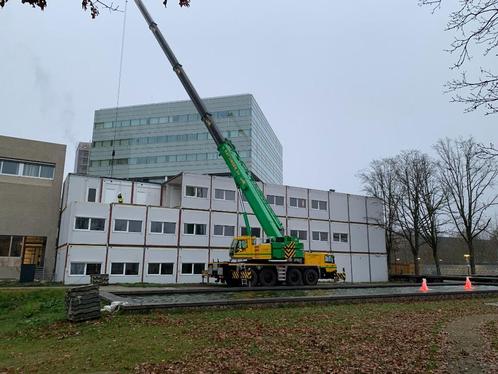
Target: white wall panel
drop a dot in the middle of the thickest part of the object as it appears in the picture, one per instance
(61, 262)
(83, 254)
(223, 183)
(162, 215)
(172, 196)
(125, 255)
(378, 264)
(197, 181)
(219, 255)
(276, 190)
(194, 216)
(300, 193)
(375, 211)
(160, 255)
(357, 209)
(113, 187)
(91, 210)
(127, 212)
(338, 206)
(320, 226)
(64, 226)
(359, 241)
(320, 196)
(340, 228)
(343, 262)
(78, 186)
(146, 194)
(224, 219)
(361, 272)
(377, 239)
(191, 256)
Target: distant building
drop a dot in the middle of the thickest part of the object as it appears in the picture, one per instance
(154, 141)
(82, 158)
(31, 174)
(167, 233)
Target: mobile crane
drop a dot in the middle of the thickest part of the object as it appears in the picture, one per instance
(281, 259)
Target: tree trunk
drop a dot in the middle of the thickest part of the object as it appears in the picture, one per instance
(435, 254)
(416, 263)
(472, 260)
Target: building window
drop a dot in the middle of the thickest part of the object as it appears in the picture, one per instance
(255, 231)
(124, 268)
(5, 245)
(275, 200)
(223, 230)
(194, 228)
(300, 234)
(193, 268)
(220, 194)
(82, 268)
(160, 268)
(322, 236)
(91, 195)
(318, 204)
(194, 191)
(297, 202)
(163, 227)
(127, 225)
(340, 237)
(27, 169)
(77, 268)
(92, 224)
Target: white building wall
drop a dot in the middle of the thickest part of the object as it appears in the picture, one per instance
(127, 212)
(196, 181)
(160, 255)
(338, 207)
(300, 193)
(362, 254)
(194, 217)
(222, 183)
(125, 255)
(88, 210)
(162, 215)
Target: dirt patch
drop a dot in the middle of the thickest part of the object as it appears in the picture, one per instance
(467, 349)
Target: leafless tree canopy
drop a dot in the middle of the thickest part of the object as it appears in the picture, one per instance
(467, 180)
(93, 5)
(475, 25)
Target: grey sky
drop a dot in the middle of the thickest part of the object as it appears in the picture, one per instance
(341, 83)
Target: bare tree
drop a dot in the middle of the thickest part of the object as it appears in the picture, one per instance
(93, 5)
(433, 200)
(411, 171)
(467, 180)
(379, 181)
(475, 23)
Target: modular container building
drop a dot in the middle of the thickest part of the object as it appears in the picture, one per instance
(167, 233)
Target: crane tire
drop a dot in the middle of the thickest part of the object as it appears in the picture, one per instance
(267, 277)
(310, 277)
(294, 277)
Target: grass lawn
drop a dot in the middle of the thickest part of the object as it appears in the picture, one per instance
(395, 337)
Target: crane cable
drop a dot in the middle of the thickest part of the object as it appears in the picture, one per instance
(119, 88)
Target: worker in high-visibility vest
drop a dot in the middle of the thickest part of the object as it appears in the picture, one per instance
(120, 198)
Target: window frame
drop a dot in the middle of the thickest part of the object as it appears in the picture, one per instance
(298, 200)
(195, 229)
(320, 235)
(160, 268)
(123, 273)
(128, 226)
(88, 194)
(192, 268)
(318, 202)
(223, 231)
(197, 192)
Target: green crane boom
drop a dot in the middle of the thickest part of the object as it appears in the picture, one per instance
(244, 181)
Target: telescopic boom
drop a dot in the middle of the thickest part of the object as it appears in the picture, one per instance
(244, 181)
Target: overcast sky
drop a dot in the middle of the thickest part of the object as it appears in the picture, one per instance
(341, 83)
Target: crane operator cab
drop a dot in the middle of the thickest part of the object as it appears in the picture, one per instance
(247, 247)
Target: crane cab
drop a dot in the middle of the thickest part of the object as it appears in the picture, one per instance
(247, 247)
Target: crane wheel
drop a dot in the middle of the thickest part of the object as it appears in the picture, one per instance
(294, 277)
(268, 277)
(310, 277)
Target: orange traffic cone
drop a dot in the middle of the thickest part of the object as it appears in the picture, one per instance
(468, 284)
(424, 287)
